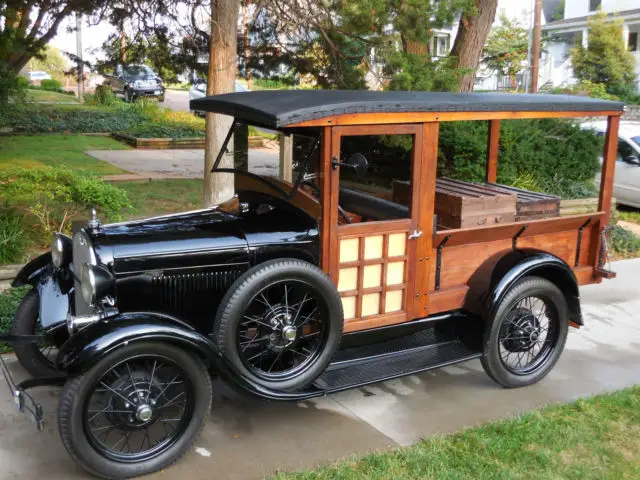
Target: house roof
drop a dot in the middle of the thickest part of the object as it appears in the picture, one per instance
(566, 22)
(276, 109)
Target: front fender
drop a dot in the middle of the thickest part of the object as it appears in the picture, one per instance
(90, 345)
(32, 271)
(520, 263)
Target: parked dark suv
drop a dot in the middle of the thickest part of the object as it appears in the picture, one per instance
(134, 81)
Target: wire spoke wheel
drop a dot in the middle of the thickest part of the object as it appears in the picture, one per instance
(139, 408)
(528, 335)
(283, 329)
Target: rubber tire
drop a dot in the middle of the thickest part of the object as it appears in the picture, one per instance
(249, 284)
(491, 362)
(74, 395)
(128, 97)
(161, 98)
(24, 323)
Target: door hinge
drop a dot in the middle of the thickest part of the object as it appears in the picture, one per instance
(415, 234)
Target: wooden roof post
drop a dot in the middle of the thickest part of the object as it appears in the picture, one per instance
(286, 158)
(492, 151)
(608, 167)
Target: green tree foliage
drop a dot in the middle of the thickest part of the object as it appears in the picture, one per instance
(507, 48)
(339, 41)
(605, 59)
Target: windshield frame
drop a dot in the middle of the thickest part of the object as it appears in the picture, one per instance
(306, 163)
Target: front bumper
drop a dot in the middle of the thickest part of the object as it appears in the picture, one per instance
(24, 402)
(148, 92)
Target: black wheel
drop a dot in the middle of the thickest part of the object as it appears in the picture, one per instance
(37, 359)
(161, 98)
(128, 95)
(136, 411)
(527, 335)
(280, 323)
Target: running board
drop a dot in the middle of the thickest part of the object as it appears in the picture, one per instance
(356, 367)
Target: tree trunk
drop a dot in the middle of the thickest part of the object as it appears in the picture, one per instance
(218, 187)
(472, 35)
(247, 42)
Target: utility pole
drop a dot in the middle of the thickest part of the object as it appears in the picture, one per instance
(535, 47)
(79, 55)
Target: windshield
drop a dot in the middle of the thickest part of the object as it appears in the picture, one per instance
(280, 163)
(138, 70)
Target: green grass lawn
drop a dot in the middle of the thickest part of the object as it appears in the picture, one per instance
(159, 197)
(596, 438)
(34, 151)
(47, 96)
(629, 214)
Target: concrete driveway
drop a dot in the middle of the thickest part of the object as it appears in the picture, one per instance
(249, 439)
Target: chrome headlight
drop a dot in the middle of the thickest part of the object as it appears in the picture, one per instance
(60, 250)
(95, 283)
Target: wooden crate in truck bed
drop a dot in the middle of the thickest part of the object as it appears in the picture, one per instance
(462, 204)
(531, 205)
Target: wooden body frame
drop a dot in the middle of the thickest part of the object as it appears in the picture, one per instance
(456, 254)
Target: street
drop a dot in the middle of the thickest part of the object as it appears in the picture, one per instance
(248, 439)
(177, 100)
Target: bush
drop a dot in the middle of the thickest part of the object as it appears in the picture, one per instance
(103, 95)
(9, 301)
(51, 85)
(624, 242)
(53, 196)
(13, 237)
(22, 82)
(627, 93)
(588, 89)
(555, 155)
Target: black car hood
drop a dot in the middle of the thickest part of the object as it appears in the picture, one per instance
(140, 76)
(204, 237)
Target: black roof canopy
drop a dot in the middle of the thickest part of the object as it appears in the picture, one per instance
(280, 108)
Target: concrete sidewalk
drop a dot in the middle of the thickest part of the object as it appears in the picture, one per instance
(249, 439)
(145, 164)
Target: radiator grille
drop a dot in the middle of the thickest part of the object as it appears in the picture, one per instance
(175, 291)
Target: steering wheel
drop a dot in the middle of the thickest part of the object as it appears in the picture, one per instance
(316, 190)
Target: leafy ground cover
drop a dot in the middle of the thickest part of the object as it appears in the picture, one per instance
(594, 438)
(142, 119)
(33, 151)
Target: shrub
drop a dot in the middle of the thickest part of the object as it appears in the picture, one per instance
(13, 237)
(9, 301)
(624, 242)
(22, 82)
(51, 85)
(53, 196)
(588, 89)
(627, 93)
(103, 95)
(557, 155)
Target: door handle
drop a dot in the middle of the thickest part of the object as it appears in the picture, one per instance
(415, 234)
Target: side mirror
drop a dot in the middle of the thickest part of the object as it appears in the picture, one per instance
(632, 160)
(359, 163)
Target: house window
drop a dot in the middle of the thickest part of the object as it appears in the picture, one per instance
(441, 45)
(594, 4)
(633, 41)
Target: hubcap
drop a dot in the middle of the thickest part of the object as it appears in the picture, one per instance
(144, 413)
(289, 333)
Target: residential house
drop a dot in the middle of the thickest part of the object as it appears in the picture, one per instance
(572, 29)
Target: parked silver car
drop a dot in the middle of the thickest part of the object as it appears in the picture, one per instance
(626, 183)
(199, 90)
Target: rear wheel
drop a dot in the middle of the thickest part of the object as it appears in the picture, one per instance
(527, 334)
(36, 358)
(136, 411)
(280, 323)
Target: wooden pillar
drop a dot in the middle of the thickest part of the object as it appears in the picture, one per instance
(608, 167)
(325, 198)
(492, 151)
(286, 158)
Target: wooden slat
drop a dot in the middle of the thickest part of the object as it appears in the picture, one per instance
(375, 321)
(363, 119)
(492, 151)
(447, 299)
(325, 188)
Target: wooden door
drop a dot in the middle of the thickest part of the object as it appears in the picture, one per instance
(373, 262)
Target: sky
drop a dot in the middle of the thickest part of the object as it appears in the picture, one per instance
(92, 37)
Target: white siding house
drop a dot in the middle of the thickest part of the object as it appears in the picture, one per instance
(573, 28)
